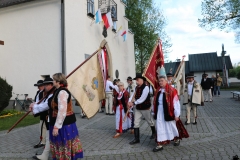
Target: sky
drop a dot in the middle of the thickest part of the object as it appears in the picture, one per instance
(186, 35)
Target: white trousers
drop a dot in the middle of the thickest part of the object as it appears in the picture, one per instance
(109, 103)
(190, 106)
(45, 154)
(44, 129)
(138, 117)
(207, 95)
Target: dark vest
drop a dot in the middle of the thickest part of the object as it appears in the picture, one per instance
(147, 103)
(40, 95)
(70, 117)
(123, 102)
(165, 108)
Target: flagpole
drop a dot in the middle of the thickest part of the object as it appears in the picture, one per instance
(84, 61)
(145, 70)
(179, 68)
(19, 121)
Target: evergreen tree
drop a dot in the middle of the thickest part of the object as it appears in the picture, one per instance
(5, 94)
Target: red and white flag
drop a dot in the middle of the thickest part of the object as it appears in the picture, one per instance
(107, 19)
(155, 66)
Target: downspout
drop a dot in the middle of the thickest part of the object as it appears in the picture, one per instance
(63, 37)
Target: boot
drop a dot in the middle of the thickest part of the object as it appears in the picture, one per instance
(153, 132)
(136, 134)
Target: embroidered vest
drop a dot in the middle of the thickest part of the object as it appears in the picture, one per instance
(147, 103)
(53, 111)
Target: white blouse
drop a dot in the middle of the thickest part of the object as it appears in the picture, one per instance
(62, 108)
(176, 103)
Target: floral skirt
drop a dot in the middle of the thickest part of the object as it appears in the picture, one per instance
(66, 145)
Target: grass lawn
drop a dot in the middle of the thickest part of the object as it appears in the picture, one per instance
(6, 123)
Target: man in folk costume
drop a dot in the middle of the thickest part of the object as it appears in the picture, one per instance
(167, 113)
(141, 100)
(39, 95)
(42, 107)
(193, 97)
(123, 119)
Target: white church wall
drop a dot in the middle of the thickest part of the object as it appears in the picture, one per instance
(32, 35)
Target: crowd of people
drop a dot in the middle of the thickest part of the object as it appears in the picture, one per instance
(131, 104)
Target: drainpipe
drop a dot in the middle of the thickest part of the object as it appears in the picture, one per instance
(63, 37)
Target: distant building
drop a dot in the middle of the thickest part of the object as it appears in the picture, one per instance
(201, 63)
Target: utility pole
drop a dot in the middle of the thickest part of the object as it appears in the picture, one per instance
(224, 67)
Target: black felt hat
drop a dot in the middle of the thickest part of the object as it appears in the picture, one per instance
(139, 75)
(129, 78)
(48, 80)
(39, 83)
(169, 75)
(190, 75)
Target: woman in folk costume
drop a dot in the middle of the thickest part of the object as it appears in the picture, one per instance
(64, 139)
(167, 112)
(122, 125)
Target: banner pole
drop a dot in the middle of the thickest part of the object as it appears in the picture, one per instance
(84, 62)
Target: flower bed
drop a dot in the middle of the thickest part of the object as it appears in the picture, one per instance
(9, 113)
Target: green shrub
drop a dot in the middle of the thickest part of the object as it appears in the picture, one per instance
(5, 94)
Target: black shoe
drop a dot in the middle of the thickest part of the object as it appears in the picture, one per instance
(186, 123)
(111, 114)
(153, 132)
(101, 111)
(177, 142)
(194, 123)
(84, 116)
(35, 157)
(39, 145)
(158, 148)
(107, 113)
(235, 157)
(136, 135)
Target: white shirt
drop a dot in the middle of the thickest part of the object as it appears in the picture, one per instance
(190, 87)
(143, 96)
(176, 104)
(37, 97)
(43, 106)
(150, 89)
(108, 85)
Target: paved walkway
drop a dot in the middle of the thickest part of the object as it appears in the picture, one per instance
(216, 136)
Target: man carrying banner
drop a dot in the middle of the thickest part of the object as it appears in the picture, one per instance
(39, 95)
(166, 102)
(141, 100)
(42, 108)
(166, 113)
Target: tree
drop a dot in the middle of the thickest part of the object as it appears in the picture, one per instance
(222, 14)
(238, 72)
(5, 94)
(232, 72)
(147, 23)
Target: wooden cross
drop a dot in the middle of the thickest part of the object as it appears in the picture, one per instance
(1, 42)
